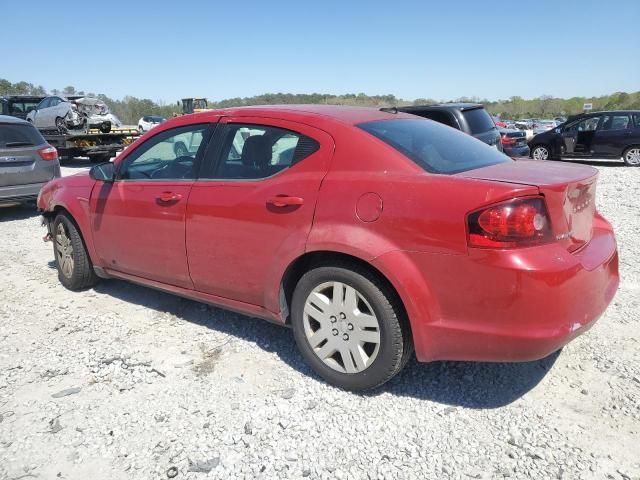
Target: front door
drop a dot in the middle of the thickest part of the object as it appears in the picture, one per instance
(578, 137)
(613, 135)
(138, 221)
(251, 216)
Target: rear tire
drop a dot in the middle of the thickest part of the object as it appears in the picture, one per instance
(631, 156)
(362, 338)
(75, 270)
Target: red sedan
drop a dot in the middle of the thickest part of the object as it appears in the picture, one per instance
(370, 233)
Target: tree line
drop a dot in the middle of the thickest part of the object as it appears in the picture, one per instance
(129, 109)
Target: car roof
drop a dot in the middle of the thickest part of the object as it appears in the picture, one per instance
(9, 119)
(344, 114)
(462, 106)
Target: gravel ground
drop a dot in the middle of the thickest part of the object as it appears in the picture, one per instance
(127, 382)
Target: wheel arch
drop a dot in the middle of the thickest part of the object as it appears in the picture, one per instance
(309, 260)
(629, 147)
(81, 224)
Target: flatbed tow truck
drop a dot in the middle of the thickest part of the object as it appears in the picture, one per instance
(98, 146)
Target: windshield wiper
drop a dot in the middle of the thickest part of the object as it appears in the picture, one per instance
(18, 144)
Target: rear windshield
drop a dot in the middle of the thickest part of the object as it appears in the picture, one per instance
(479, 120)
(156, 119)
(433, 146)
(15, 135)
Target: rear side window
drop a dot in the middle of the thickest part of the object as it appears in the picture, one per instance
(260, 151)
(15, 135)
(434, 147)
(438, 116)
(479, 120)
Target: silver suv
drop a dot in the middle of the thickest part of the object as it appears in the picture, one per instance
(27, 161)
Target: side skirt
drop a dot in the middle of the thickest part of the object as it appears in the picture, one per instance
(226, 303)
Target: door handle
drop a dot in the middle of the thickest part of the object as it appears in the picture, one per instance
(285, 201)
(169, 197)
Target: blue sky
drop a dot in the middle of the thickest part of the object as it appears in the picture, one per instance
(442, 50)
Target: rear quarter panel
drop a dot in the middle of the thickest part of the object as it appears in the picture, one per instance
(419, 212)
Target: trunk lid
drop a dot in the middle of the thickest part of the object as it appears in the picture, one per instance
(569, 191)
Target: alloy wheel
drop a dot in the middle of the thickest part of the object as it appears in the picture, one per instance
(632, 157)
(341, 327)
(64, 249)
(540, 153)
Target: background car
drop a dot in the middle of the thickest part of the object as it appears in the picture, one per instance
(79, 113)
(147, 122)
(418, 247)
(27, 162)
(514, 142)
(18, 105)
(541, 126)
(471, 118)
(606, 135)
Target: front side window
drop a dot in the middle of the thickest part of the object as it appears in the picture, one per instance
(44, 103)
(586, 125)
(615, 122)
(433, 146)
(259, 151)
(170, 155)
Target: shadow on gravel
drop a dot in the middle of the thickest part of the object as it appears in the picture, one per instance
(17, 212)
(466, 384)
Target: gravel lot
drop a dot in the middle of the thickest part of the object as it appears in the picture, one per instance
(127, 382)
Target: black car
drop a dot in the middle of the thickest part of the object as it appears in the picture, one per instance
(471, 118)
(514, 142)
(18, 105)
(606, 135)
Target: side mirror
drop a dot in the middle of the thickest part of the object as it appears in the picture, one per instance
(105, 172)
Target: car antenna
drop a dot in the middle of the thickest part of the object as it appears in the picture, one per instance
(389, 109)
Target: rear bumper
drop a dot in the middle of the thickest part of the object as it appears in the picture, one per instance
(509, 305)
(19, 193)
(517, 151)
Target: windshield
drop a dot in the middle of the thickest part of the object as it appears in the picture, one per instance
(479, 120)
(156, 119)
(433, 146)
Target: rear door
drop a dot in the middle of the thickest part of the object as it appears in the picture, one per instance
(251, 215)
(613, 135)
(20, 163)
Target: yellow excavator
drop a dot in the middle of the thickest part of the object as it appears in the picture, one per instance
(194, 105)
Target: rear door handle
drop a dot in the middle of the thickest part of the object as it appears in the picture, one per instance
(167, 197)
(285, 201)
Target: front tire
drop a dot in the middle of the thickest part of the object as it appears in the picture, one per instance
(350, 327)
(541, 152)
(631, 156)
(75, 270)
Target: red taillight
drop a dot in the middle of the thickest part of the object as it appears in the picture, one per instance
(507, 140)
(516, 223)
(48, 153)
